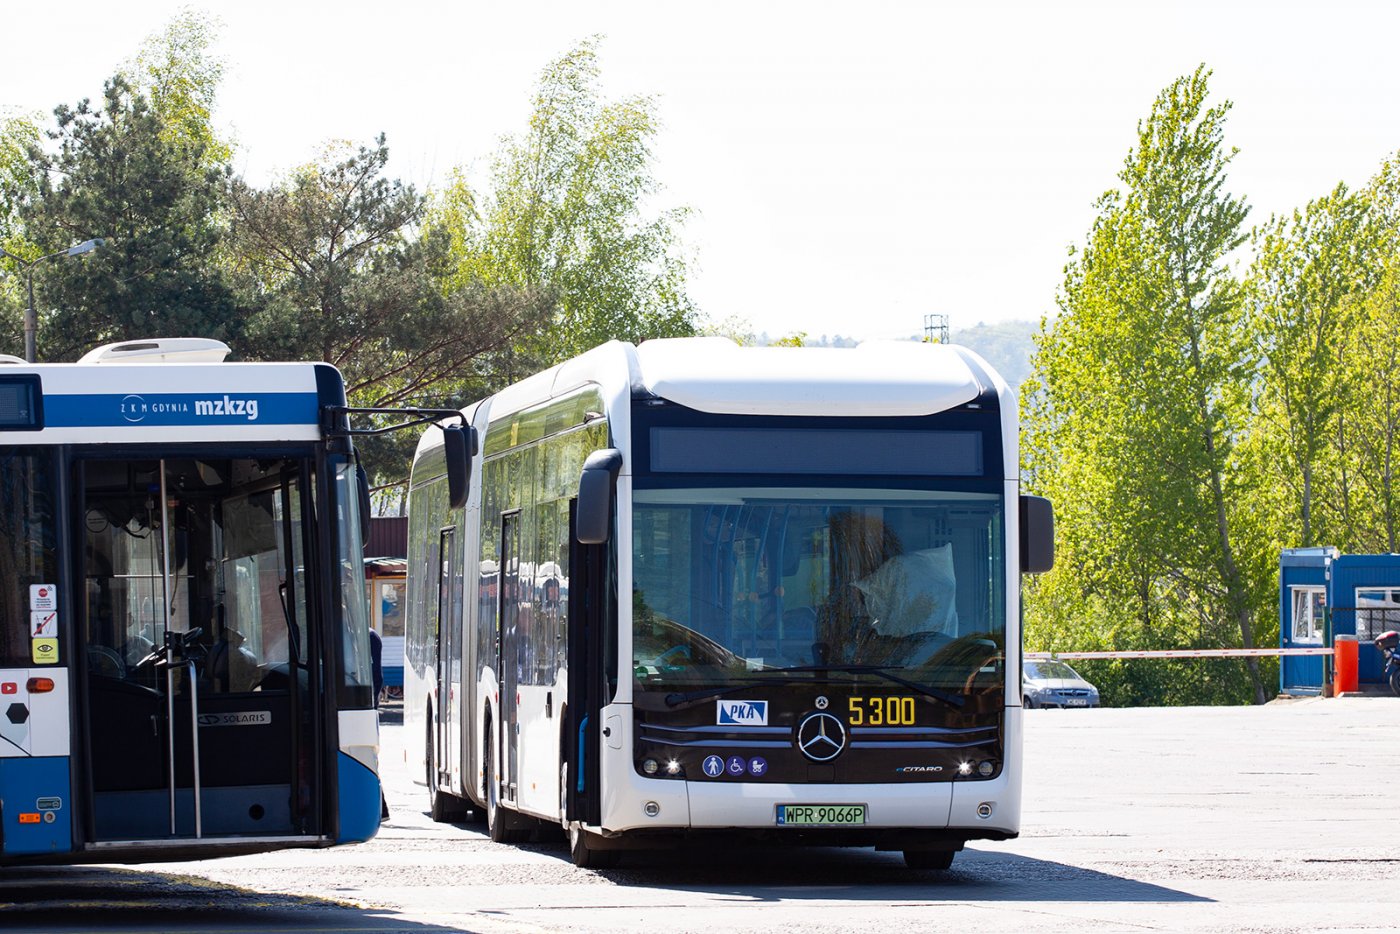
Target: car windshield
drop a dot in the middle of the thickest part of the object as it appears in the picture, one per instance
(1044, 670)
(731, 583)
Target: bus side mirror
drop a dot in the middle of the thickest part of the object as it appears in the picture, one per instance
(459, 447)
(596, 488)
(1037, 535)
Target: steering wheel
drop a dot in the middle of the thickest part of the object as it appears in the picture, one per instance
(104, 661)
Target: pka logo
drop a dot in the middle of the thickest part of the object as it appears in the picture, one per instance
(743, 713)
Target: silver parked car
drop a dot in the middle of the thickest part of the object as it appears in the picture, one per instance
(1054, 684)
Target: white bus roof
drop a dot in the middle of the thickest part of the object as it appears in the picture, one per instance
(172, 391)
(713, 374)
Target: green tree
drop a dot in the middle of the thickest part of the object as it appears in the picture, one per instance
(1306, 269)
(1372, 400)
(329, 259)
(566, 218)
(18, 185)
(1138, 398)
(18, 181)
(180, 75)
(115, 174)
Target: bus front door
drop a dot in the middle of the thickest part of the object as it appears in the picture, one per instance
(588, 617)
(198, 700)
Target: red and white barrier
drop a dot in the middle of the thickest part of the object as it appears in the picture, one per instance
(1177, 653)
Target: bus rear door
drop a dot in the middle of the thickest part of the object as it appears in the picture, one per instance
(448, 754)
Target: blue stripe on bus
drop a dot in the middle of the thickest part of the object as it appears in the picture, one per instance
(36, 805)
(180, 408)
(359, 800)
(583, 725)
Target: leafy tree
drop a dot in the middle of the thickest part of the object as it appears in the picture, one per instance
(179, 74)
(329, 259)
(1139, 397)
(115, 174)
(565, 218)
(1372, 399)
(18, 184)
(734, 327)
(1306, 269)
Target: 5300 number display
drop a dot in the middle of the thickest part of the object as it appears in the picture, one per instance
(881, 711)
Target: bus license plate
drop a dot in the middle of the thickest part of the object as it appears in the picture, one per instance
(820, 815)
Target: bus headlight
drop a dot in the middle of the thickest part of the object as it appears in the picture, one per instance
(985, 768)
(964, 768)
(673, 767)
(650, 766)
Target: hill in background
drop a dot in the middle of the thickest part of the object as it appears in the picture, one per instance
(1006, 345)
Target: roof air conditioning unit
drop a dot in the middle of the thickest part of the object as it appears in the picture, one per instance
(161, 350)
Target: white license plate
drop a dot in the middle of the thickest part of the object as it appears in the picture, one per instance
(820, 815)
(1076, 702)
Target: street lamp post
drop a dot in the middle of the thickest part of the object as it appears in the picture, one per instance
(31, 318)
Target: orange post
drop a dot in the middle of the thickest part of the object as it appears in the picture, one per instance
(1344, 653)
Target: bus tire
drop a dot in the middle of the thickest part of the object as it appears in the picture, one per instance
(443, 808)
(584, 854)
(929, 859)
(502, 824)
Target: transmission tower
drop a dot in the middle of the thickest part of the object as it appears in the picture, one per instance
(935, 329)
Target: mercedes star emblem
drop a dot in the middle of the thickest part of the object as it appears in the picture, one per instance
(821, 737)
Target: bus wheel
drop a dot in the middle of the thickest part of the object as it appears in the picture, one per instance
(502, 824)
(928, 859)
(584, 855)
(442, 807)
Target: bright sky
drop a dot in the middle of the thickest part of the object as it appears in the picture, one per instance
(854, 166)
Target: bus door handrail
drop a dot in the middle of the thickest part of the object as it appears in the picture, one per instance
(180, 649)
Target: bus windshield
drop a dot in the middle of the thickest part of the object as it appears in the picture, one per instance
(729, 583)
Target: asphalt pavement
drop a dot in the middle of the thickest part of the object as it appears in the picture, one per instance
(1275, 818)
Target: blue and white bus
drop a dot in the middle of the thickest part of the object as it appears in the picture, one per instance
(695, 590)
(184, 652)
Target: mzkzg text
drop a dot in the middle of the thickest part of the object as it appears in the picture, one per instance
(227, 406)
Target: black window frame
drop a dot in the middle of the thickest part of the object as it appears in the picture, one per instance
(36, 398)
(983, 415)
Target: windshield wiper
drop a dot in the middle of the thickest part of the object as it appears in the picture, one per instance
(677, 698)
(952, 700)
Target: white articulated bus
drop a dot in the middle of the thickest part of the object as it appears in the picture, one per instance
(697, 589)
(184, 651)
